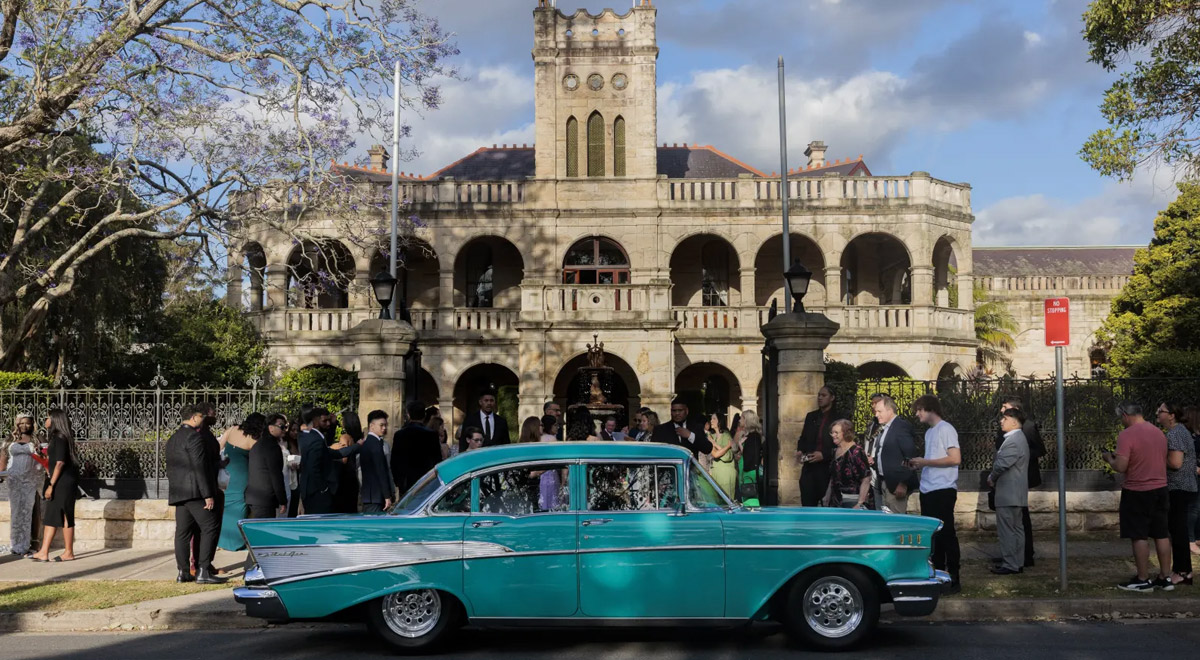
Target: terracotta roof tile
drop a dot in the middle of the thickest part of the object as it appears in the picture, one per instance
(1003, 261)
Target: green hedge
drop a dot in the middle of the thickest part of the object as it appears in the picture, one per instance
(24, 380)
(329, 387)
(1167, 364)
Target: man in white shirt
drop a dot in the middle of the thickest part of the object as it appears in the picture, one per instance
(682, 431)
(493, 426)
(939, 483)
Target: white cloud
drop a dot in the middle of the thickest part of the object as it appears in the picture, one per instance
(1032, 38)
(1121, 214)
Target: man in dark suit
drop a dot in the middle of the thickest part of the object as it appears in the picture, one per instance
(1037, 449)
(416, 448)
(683, 432)
(212, 448)
(319, 465)
(266, 493)
(495, 427)
(814, 449)
(377, 489)
(192, 489)
(895, 479)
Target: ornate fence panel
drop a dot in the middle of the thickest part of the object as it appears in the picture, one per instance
(121, 433)
(973, 408)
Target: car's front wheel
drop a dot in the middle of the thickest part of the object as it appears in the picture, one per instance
(832, 607)
(413, 621)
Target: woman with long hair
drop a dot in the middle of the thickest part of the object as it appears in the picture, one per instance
(236, 443)
(752, 453)
(531, 430)
(345, 500)
(1181, 488)
(290, 442)
(580, 426)
(63, 487)
(24, 473)
(724, 454)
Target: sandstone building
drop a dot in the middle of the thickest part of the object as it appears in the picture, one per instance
(670, 253)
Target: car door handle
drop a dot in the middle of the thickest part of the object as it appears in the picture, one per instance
(485, 523)
(596, 521)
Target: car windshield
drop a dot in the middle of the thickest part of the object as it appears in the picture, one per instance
(702, 493)
(418, 494)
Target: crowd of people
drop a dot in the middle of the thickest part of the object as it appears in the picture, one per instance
(270, 466)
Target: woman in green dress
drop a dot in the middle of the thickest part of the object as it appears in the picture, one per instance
(724, 456)
(750, 470)
(235, 445)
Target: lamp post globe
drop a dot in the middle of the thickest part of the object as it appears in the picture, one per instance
(797, 279)
(384, 286)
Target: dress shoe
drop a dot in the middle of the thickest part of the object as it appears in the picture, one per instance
(1029, 563)
(184, 576)
(205, 576)
(998, 570)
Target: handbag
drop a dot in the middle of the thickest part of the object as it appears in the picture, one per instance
(223, 479)
(748, 491)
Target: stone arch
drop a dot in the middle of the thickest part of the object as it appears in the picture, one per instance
(624, 389)
(705, 271)
(485, 376)
(595, 259)
(876, 270)
(945, 268)
(951, 371)
(768, 269)
(710, 387)
(416, 272)
(876, 369)
(427, 389)
(488, 271)
(319, 274)
(254, 276)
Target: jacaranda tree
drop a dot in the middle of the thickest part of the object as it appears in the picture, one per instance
(138, 120)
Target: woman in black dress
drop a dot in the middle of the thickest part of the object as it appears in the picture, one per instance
(62, 489)
(345, 500)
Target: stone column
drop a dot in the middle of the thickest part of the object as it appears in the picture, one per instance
(277, 287)
(922, 285)
(966, 290)
(233, 286)
(746, 286)
(381, 346)
(800, 340)
(833, 285)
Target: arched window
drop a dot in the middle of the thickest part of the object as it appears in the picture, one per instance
(572, 147)
(480, 269)
(595, 145)
(714, 274)
(619, 147)
(596, 261)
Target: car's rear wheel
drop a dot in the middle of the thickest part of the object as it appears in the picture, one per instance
(832, 607)
(413, 621)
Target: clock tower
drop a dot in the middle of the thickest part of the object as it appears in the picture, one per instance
(595, 93)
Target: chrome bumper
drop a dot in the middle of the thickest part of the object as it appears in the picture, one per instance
(261, 603)
(918, 597)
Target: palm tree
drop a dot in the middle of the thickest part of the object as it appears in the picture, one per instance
(994, 328)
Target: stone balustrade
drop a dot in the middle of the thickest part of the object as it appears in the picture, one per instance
(1084, 283)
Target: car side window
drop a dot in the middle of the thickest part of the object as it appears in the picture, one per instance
(702, 494)
(525, 490)
(456, 500)
(631, 487)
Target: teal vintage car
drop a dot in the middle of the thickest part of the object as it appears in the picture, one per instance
(589, 534)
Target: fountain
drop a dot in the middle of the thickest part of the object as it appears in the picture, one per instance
(595, 383)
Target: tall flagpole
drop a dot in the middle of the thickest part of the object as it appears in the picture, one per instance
(783, 188)
(393, 248)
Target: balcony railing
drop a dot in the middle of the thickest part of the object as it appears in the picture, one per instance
(326, 320)
(575, 298)
(856, 320)
(464, 319)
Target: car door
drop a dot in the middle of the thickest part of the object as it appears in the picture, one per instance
(519, 546)
(641, 554)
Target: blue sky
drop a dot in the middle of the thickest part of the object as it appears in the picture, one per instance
(996, 94)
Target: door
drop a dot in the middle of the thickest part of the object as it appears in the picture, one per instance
(523, 532)
(638, 556)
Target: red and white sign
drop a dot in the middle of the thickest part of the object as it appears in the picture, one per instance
(1058, 321)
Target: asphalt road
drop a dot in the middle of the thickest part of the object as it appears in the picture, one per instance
(1158, 639)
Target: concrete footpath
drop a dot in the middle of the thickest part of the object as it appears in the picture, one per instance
(216, 609)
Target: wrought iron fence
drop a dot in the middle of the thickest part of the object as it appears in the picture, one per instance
(1091, 423)
(121, 433)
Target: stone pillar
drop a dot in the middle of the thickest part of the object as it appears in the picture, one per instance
(381, 346)
(746, 286)
(966, 290)
(833, 285)
(277, 287)
(233, 286)
(446, 289)
(922, 285)
(800, 340)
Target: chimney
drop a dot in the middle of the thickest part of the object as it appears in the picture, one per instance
(815, 153)
(379, 157)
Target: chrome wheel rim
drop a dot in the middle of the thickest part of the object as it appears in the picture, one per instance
(412, 613)
(833, 607)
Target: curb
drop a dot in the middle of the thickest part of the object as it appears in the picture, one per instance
(139, 618)
(992, 609)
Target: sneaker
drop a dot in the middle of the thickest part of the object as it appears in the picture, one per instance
(1135, 584)
(1165, 584)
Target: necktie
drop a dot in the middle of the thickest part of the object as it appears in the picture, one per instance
(487, 426)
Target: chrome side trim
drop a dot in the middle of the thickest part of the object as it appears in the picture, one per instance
(610, 622)
(279, 563)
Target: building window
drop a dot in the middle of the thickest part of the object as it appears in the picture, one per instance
(619, 147)
(596, 261)
(714, 275)
(595, 145)
(480, 268)
(572, 147)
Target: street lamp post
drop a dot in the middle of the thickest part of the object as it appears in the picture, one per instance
(384, 286)
(797, 278)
